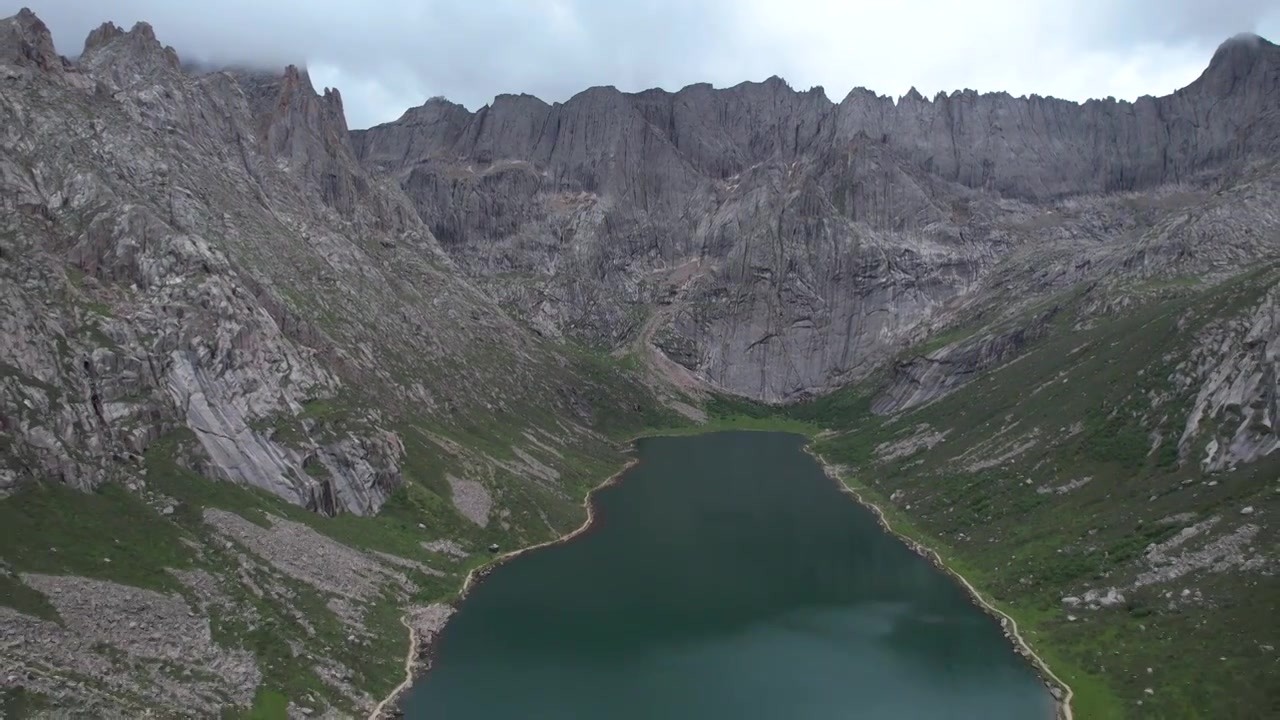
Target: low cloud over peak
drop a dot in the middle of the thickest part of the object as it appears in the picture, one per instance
(394, 54)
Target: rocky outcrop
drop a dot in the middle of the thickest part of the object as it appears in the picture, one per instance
(123, 59)
(307, 133)
(927, 377)
(359, 473)
(25, 42)
(1235, 367)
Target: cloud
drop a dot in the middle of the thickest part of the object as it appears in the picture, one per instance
(393, 54)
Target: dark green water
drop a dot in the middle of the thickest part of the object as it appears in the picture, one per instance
(724, 577)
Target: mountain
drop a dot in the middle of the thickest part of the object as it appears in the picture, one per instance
(808, 242)
(270, 387)
(198, 279)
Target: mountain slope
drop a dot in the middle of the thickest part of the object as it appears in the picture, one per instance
(269, 387)
(199, 283)
(1113, 488)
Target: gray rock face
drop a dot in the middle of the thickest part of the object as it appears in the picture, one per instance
(928, 377)
(307, 133)
(1236, 368)
(25, 42)
(217, 356)
(198, 256)
(827, 237)
(1040, 148)
(123, 59)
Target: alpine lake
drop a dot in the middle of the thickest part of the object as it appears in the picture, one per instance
(725, 576)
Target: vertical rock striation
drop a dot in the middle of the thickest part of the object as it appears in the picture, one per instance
(828, 236)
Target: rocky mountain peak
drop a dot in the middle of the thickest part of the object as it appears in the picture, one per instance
(507, 103)
(296, 89)
(101, 35)
(142, 42)
(333, 98)
(144, 32)
(1246, 41)
(436, 104)
(283, 103)
(435, 110)
(26, 41)
(436, 126)
(123, 58)
(1240, 61)
(297, 80)
(307, 132)
(862, 94)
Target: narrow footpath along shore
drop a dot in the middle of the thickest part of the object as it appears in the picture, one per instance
(408, 673)
(1062, 696)
(423, 624)
(421, 634)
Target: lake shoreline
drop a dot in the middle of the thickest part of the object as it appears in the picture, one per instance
(431, 619)
(419, 656)
(1009, 626)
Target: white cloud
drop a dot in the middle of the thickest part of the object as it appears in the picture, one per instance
(389, 55)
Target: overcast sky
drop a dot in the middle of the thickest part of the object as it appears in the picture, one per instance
(388, 55)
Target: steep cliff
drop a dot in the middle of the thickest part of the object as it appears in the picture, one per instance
(1040, 148)
(828, 237)
(211, 256)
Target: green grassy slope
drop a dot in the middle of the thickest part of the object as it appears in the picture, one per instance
(114, 534)
(1002, 499)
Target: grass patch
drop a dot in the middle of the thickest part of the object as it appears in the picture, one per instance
(735, 422)
(22, 598)
(269, 705)
(728, 412)
(107, 534)
(284, 674)
(621, 404)
(20, 702)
